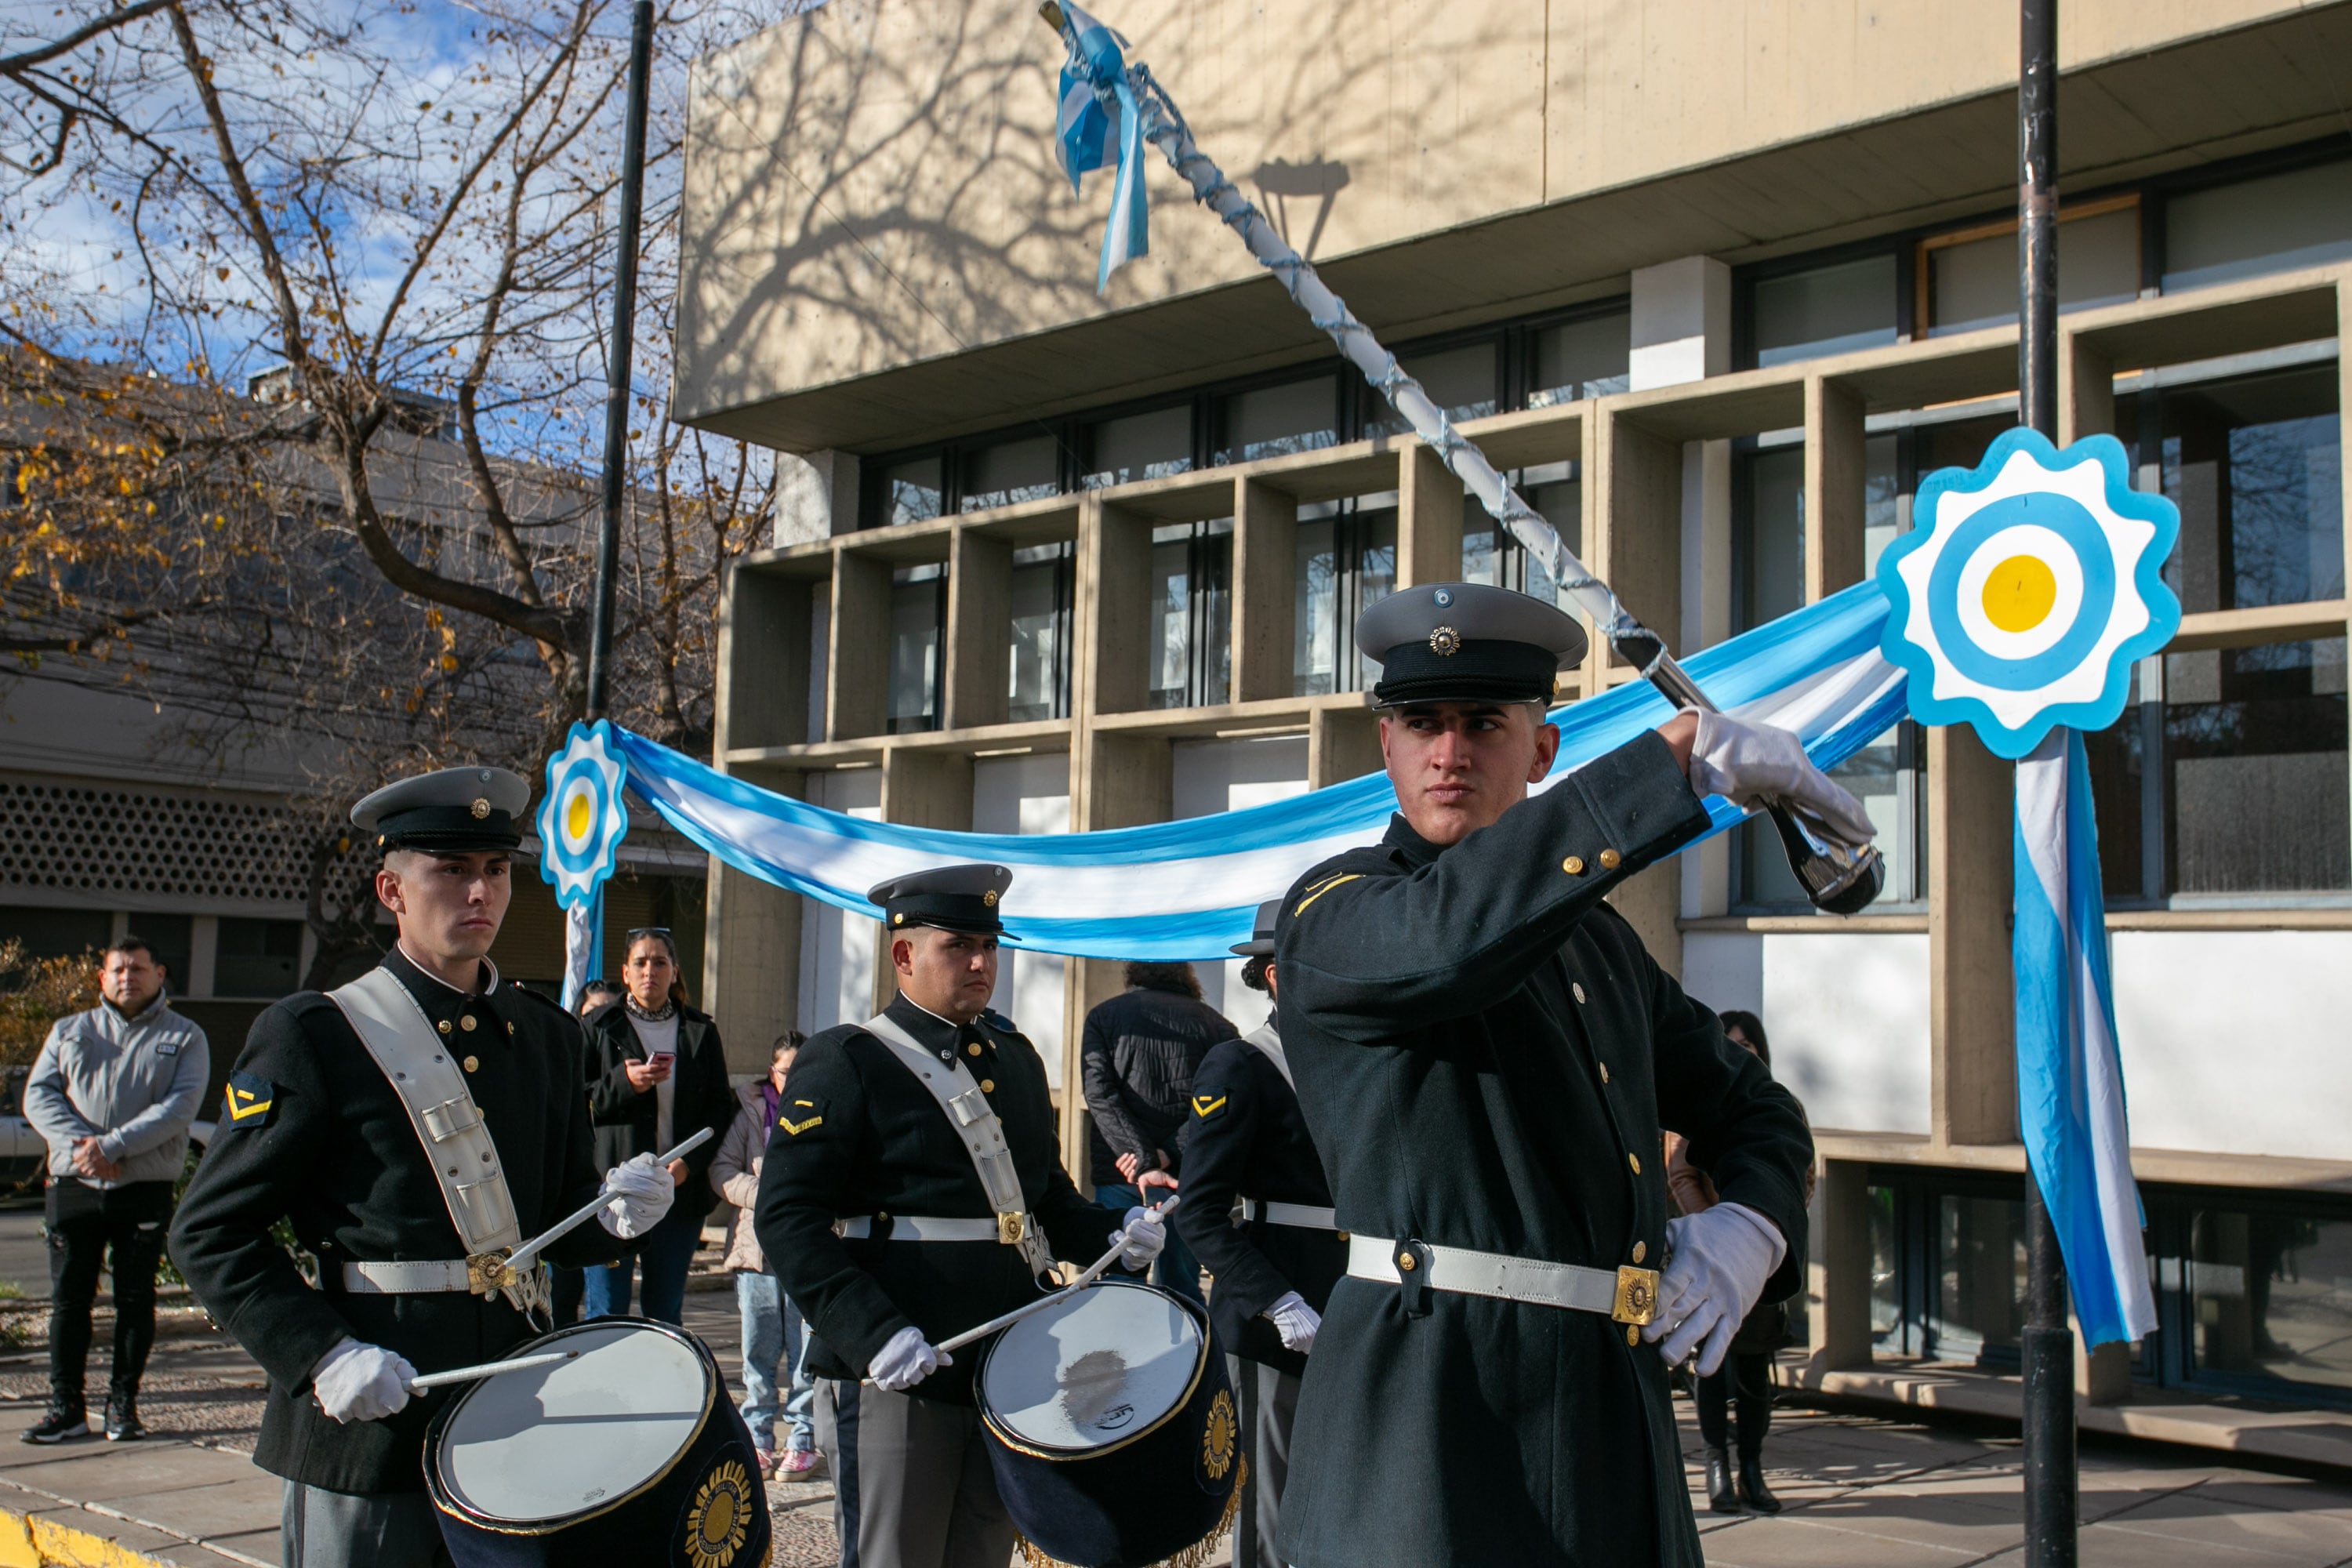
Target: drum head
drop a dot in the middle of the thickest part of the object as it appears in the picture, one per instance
(1092, 1372)
(525, 1448)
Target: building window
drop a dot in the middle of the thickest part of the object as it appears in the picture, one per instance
(171, 941)
(1583, 358)
(55, 934)
(1009, 471)
(1493, 554)
(919, 613)
(1466, 382)
(1345, 563)
(2255, 465)
(258, 958)
(1139, 447)
(1273, 421)
(909, 492)
(1192, 613)
(1039, 682)
(2262, 1295)
(1832, 310)
(1969, 279)
(2302, 217)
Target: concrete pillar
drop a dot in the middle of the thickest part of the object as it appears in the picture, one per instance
(2086, 392)
(1706, 620)
(979, 623)
(1971, 814)
(1114, 605)
(1429, 519)
(751, 962)
(1115, 780)
(1834, 487)
(857, 661)
(1266, 561)
(1342, 744)
(1682, 323)
(816, 496)
(1837, 1269)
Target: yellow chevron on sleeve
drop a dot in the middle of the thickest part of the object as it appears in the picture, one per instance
(1203, 1104)
(1318, 893)
(797, 1128)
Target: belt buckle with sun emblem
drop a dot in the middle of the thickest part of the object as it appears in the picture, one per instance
(716, 1525)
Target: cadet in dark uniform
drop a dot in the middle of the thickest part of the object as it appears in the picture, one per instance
(312, 1129)
(1246, 1144)
(1486, 1054)
(880, 1222)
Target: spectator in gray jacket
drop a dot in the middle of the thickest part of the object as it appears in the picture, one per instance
(113, 1092)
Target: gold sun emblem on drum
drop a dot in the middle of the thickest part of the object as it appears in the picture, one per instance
(719, 1520)
(1219, 1437)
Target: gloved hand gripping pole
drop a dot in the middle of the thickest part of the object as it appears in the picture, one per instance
(1839, 878)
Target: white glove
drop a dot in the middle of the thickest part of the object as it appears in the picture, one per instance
(640, 1193)
(1716, 1263)
(905, 1362)
(1140, 1240)
(1751, 764)
(1296, 1321)
(360, 1383)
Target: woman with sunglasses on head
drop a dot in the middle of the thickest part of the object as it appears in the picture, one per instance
(656, 1075)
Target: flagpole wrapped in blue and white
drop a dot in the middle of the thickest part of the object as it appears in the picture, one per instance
(2018, 602)
(583, 818)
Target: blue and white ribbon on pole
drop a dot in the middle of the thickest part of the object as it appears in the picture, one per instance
(1096, 126)
(1189, 890)
(2025, 590)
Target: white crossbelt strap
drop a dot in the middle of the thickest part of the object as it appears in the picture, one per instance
(1306, 1217)
(983, 1134)
(1529, 1280)
(1267, 1040)
(917, 1227)
(458, 1146)
(409, 1279)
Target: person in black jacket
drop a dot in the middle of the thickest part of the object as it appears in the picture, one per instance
(657, 1076)
(311, 1130)
(1136, 1057)
(1275, 1264)
(877, 1221)
(1485, 1054)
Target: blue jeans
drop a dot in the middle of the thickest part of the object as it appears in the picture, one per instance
(774, 1340)
(1175, 1269)
(666, 1253)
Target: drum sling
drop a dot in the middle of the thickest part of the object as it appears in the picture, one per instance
(465, 1163)
(982, 1135)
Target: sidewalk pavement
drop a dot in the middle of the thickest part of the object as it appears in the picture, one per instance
(1862, 1490)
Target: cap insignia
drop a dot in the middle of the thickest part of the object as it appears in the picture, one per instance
(989, 897)
(1443, 597)
(1444, 642)
(480, 808)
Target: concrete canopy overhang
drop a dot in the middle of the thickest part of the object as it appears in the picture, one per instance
(2200, 100)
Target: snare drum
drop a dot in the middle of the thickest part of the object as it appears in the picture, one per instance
(631, 1453)
(1116, 1441)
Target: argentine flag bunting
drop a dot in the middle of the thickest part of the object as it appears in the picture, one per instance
(1090, 133)
(2070, 1074)
(2018, 603)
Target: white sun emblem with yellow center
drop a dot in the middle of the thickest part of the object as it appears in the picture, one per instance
(2026, 588)
(581, 818)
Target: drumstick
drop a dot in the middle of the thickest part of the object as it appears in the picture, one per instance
(1100, 1266)
(524, 1256)
(488, 1369)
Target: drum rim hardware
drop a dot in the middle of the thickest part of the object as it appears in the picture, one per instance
(713, 1384)
(1199, 1370)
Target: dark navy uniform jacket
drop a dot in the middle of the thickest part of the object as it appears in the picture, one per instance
(1485, 1054)
(1247, 1140)
(860, 1134)
(313, 1130)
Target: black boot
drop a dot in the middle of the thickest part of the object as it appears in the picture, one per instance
(61, 1423)
(1752, 1488)
(122, 1422)
(1719, 1496)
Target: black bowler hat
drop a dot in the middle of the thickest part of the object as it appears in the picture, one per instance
(1465, 642)
(1261, 941)
(455, 811)
(952, 898)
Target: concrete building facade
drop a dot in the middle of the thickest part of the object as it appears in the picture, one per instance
(1720, 283)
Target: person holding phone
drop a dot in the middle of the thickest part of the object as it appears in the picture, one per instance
(657, 1074)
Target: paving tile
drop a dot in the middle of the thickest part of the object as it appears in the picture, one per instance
(1786, 1543)
(224, 1509)
(115, 1470)
(1923, 1519)
(2320, 1537)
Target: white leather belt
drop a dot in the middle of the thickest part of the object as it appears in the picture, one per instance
(1628, 1295)
(1306, 1217)
(919, 1227)
(404, 1279)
